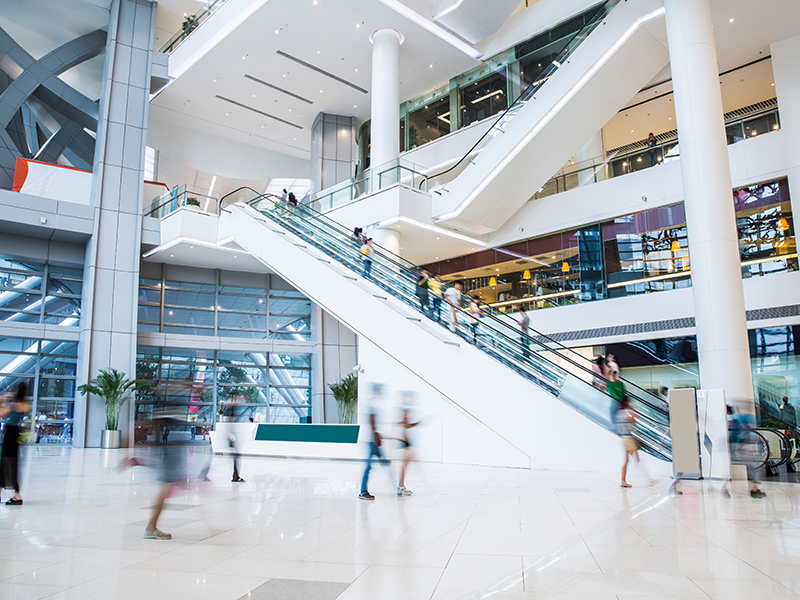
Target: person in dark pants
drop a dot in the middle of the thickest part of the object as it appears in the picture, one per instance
(422, 290)
(651, 150)
(373, 409)
(788, 415)
(13, 411)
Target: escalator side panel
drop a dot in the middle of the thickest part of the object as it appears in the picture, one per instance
(529, 418)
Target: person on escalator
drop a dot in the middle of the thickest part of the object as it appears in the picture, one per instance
(616, 389)
(422, 290)
(475, 313)
(435, 291)
(524, 321)
(291, 201)
(599, 378)
(367, 252)
(453, 297)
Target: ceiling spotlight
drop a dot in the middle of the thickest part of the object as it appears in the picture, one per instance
(356, 70)
(358, 25)
(317, 51)
(355, 106)
(730, 20)
(431, 66)
(315, 2)
(276, 31)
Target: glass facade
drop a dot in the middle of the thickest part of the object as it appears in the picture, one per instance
(167, 305)
(49, 368)
(39, 293)
(200, 387)
(634, 254)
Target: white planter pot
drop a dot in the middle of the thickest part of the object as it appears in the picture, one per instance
(110, 438)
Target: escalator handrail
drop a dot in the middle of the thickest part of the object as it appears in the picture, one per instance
(504, 329)
(532, 87)
(785, 445)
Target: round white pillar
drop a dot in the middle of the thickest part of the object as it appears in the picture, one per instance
(387, 238)
(593, 149)
(713, 241)
(385, 117)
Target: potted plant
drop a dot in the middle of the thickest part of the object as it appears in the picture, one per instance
(113, 388)
(346, 395)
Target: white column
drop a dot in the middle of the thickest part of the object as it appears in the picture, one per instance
(713, 242)
(388, 239)
(591, 149)
(786, 72)
(385, 117)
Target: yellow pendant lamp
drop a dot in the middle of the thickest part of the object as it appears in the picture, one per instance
(526, 274)
(675, 246)
(492, 281)
(565, 267)
(783, 224)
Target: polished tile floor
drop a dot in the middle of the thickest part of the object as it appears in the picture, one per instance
(295, 530)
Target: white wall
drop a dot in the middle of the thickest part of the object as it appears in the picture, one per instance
(220, 156)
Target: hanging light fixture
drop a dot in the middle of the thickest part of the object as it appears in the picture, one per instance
(783, 224)
(675, 247)
(526, 274)
(565, 267)
(492, 281)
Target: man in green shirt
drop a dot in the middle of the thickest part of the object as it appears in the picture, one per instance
(616, 389)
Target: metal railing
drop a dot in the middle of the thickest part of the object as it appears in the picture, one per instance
(550, 365)
(190, 23)
(182, 196)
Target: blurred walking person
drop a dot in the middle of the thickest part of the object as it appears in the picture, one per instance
(422, 290)
(373, 407)
(13, 411)
(404, 439)
(453, 297)
(524, 321)
(435, 290)
(599, 377)
(616, 389)
(475, 313)
(743, 443)
(626, 420)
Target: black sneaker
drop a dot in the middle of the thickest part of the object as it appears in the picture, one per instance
(758, 494)
(366, 496)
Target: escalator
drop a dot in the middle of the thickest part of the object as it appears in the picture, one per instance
(527, 375)
(619, 49)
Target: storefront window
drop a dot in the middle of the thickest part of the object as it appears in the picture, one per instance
(635, 254)
(429, 122)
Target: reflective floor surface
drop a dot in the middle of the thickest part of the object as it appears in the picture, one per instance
(295, 530)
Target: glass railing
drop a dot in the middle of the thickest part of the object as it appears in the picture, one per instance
(398, 171)
(579, 173)
(504, 121)
(190, 23)
(560, 371)
(182, 196)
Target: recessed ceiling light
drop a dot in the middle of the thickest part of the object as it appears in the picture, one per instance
(214, 81)
(631, 130)
(254, 95)
(234, 256)
(431, 66)
(437, 238)
(358, 25)
(244, 57)
(730, 20)
(354, 106)
(317, 51)
(172, 256)
(276, 31)
(772, 84)
(290, 110)
(356, 70)
(315, 2)
(320, 91)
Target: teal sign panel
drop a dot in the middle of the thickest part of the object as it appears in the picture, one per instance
(307, 432)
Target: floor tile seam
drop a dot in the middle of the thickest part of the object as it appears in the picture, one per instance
(690, 577)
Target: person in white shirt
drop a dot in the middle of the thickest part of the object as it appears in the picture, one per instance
(524, 321)
(453, 297)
